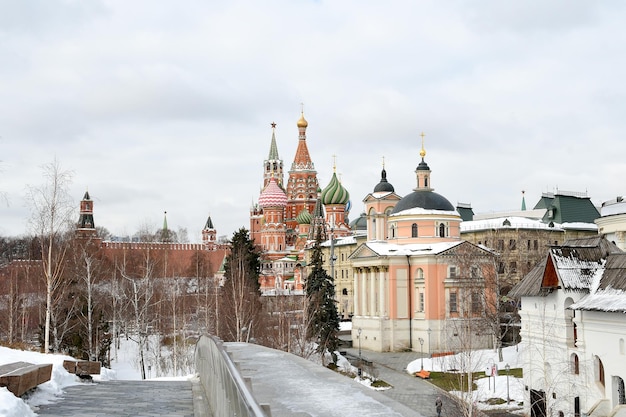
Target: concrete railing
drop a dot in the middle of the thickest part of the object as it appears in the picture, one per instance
(227, 392)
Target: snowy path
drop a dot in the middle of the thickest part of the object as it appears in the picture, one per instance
(124, 398)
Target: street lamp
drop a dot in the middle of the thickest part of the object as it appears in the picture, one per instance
(430, 354)
(359, 337)
(422, 345)
(508, 368)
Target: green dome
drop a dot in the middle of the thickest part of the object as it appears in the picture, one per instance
(334, 193)
(304, 217)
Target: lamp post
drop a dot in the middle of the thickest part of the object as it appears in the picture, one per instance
(422, 345)
(430, 353)
(508, 368)
(359, 337)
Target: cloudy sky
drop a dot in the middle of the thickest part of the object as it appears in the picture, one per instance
(166, 105)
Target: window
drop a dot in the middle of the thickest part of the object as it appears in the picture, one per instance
(513, 267)
(535, 244)
(528, 245)
(500, 267)
(500, 244)
(442, 230)
(453, 306)
(393, 232)
(452, 272)
(344, 291)
(512, 244)
(414, 230)
(421, 302)
(476, 303)
(475, 271)
(420, 273)
(575, 364)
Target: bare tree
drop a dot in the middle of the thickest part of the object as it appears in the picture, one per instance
(52, 209)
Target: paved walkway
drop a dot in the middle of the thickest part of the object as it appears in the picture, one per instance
(413, 392)
(124, 399)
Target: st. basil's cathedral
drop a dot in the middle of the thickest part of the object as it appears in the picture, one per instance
(289, 217)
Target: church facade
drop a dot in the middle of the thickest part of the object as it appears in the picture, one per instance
(417, 284)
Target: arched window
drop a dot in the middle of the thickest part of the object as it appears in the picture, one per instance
(599, 370)
(414, 230)
(575, 364)
(442, 230)
(393, 232)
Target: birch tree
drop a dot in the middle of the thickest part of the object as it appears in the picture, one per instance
(51, 209)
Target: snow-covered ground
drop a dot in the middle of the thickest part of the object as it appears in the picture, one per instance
(483, 360)
(126, 367)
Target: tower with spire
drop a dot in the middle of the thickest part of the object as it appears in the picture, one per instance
(273, 165)
(86, 227)
(209, 235)
(302, 184)
(378, 205)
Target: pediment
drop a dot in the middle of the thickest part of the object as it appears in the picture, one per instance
(363, 251)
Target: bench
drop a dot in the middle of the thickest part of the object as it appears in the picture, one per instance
(82, 367)
(19, 377)
(424, 374)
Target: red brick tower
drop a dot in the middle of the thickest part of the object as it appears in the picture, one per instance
(86, 228)
(302, 184)
(209, 235)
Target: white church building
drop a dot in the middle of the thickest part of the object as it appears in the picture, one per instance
(573, 320)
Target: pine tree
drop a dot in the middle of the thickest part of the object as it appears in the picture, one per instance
(241, 304)
(323, 319)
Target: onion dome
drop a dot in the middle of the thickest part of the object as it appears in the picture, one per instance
(304, 217)
(273, 195)
(384, 185)
(335, 193)
(427, 200)
(302, 121)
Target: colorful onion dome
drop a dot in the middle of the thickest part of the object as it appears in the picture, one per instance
(335, 193)
(273, 195)
(304, 217)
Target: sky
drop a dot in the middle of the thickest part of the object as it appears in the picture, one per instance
(158, 106)
(125, 368)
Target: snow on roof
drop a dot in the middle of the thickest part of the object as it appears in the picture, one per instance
(420, 211)
(610, 299)
(344, 240)
(528, 214)
(577, 273)
(579, 226)
(613, 207)
(501, 222)
(392, 249)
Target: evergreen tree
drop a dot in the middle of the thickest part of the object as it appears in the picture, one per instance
(323, 319)
(240, 304)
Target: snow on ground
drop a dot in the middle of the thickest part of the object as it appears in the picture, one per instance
(126, 367)
(482, 360)
(11, 406)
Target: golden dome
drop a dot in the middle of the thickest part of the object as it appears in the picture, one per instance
(302, 121)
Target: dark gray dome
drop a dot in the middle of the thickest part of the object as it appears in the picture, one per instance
(428, 200)
(360, 223)
(383, 185)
